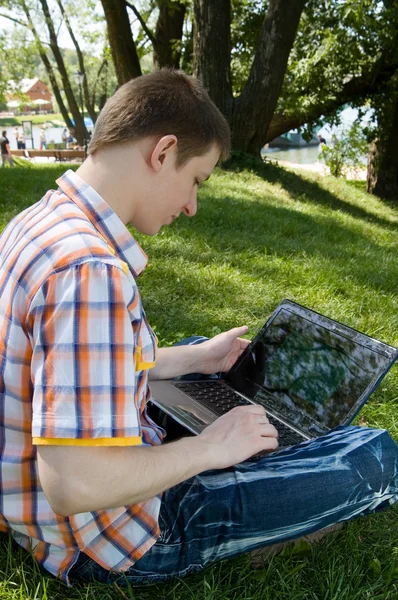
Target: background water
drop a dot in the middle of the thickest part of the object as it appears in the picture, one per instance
(304, 155)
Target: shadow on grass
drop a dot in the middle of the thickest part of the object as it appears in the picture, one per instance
(303, 189)
(242, 233)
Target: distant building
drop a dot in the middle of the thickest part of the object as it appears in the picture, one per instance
(35, 89)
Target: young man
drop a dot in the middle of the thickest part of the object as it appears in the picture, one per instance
(5, 150)
(86, 482)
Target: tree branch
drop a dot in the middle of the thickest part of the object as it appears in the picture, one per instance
(27, 25)
(60, 25)
(141, 20)
(354, 90)
(103, 65)
(15, 20)
(48, 66)
(80, 58)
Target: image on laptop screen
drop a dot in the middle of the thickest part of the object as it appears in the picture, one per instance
(306, 372)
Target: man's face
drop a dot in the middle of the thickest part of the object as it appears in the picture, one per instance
(174, 192)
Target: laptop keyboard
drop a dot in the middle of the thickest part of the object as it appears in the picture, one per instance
(220, 399)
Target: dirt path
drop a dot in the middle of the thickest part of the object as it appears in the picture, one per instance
(358, 174)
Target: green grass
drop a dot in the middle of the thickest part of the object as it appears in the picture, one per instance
(55, 119)
(260, 236)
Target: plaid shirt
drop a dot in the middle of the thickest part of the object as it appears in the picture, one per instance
(75, 349)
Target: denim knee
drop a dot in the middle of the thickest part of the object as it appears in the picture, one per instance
(376, 459)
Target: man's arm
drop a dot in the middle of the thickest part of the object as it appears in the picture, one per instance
(8, 149)
(85, 479)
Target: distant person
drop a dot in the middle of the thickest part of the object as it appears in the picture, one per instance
(5, 150)
(22, 140)
(69, 139)
(65, 135)
(322, 144)
(17, 135)
(43, 140)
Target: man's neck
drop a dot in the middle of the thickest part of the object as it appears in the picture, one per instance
(115, 176)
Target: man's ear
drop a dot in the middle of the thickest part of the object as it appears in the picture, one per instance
(164, 150)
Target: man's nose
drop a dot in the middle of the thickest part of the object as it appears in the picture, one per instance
(191, 207)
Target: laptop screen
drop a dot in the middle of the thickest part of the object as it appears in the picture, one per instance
(307, 373)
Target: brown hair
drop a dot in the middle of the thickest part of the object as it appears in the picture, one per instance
(161, 103)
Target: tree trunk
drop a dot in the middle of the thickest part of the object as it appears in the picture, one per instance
(49, 69)
(168, 34)
(102, 73)
(79, 129)
(212, 50)
(382, 179)
(371, 175)
(124, 52)
(86, 95)
(253, 110)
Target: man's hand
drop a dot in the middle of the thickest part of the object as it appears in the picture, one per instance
(238, 435)
(222, 351)
(217, 354)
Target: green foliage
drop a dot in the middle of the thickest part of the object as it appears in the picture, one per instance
(347, 150)
(334, 44)
(17, 59)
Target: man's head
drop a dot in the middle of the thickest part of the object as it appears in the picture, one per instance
(156, 140)
(162, 103)
(4, 133)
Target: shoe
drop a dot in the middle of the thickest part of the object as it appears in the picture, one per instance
(259, 557)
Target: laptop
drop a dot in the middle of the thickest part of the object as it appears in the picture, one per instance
(309, 372)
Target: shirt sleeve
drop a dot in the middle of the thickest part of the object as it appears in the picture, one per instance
(83, 362)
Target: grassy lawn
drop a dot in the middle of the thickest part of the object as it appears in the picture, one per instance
(55, 119)
(260, 235)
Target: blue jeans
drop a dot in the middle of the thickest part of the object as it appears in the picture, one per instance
(350, 472)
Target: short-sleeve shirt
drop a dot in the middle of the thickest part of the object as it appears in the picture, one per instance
(3, 143)
(75, 350)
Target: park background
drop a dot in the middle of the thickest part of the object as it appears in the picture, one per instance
(263, 231)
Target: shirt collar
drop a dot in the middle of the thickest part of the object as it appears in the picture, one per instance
(105, 220)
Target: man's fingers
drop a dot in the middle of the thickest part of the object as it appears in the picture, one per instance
(259, 418)
(270, 443)
(255, 409)
(263, 420)
(269, 430)
(237, 331)
(244, 342)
